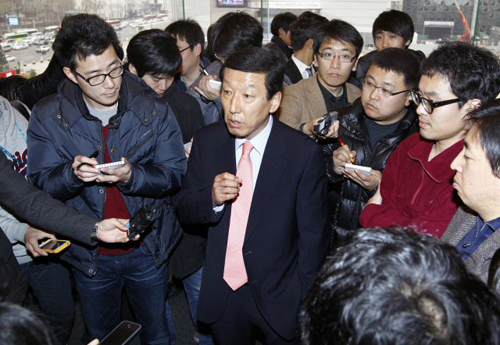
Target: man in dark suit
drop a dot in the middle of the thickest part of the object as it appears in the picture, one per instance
(267, 218)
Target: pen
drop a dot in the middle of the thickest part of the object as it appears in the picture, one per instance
(93, 155)
(342, 144)
(203, 70)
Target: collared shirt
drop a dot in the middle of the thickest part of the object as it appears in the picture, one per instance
(476, 236)
(332, 102)
(302, 67)
(259, 143)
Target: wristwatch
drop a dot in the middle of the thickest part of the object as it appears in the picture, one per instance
(93, 234)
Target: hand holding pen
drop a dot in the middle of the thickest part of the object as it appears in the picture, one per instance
(341, 157)
(84, 167)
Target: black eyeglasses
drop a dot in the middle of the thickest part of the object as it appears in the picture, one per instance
(100, 78)
(428, 104)
(386, 93)
(344, 58)
(189, 46)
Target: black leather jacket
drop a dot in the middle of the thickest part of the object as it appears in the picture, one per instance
(30, 91)
(348, 198)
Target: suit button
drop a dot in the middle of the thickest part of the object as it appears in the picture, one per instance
(146, 119)
(113, 150)
(59, 116)
(65, 125)
(248, 253)
(101, 191)
(154, 113)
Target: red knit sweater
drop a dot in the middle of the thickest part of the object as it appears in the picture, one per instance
(416, 193)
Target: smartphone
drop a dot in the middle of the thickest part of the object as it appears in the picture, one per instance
(215, 84)
(325, 123)
(112, 165)
(54, 246)
(123, 334)
(364, 170)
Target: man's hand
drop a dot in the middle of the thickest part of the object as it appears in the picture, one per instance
(115, 175)
(368, 182)
(206, 90)
(226, 187)
(376, 199)
(333, 131)
(83, 168)
(112, 230)
(341, 157)
(31, 238)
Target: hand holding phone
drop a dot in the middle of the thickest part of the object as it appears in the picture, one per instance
(322, 127)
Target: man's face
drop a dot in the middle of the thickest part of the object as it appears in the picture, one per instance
(377, 103)
(190, 56)
(333, 72)
(245, 103)
(103, 96)
(474, 180)
(446, 124)
(159, 83)
(388, 39)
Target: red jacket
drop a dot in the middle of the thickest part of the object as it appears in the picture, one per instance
(415, 192)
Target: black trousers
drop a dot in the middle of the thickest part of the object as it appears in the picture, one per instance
(13, 285)
(242, 323)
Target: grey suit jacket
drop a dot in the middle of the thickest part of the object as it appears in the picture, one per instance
(304, 101)
(39, 209)
(479, 262)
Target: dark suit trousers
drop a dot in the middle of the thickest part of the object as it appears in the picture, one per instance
(242, 323)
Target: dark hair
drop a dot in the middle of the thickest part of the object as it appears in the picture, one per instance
(338, 30)
(309, 15)
(396, 22)
(20, 326)
(258, 60)
(487, 120)
(282, 21)
(187, 30)
(83, 35)
(154, 52)
(305, 29)
(399, 61)
(472, 72)
(394, 286)
(235, 31)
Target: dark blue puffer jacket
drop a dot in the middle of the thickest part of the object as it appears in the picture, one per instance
(144, 130)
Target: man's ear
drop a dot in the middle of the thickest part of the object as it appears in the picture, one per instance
(70, 74)
(355, 66)
(197, 49)
(275, 102)
(132, 69)
(408, 100)
(407, 43)
(310, 44)
(471, 105)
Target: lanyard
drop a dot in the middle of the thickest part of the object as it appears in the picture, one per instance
(10, 154)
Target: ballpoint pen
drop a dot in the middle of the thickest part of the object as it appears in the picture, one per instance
(342, 144)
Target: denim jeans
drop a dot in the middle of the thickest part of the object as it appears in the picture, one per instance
(146, 289)
(51, 284)
(192, 286)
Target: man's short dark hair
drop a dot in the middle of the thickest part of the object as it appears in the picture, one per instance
(399, 61)
(396, 22)
(187, 30)
(394, 286)
(83, 35)
(235, 31)
(282, 21)
(305, 29)
(258, 60)
(341, 31)
(154, 52)
(487, 120)
(472, 72)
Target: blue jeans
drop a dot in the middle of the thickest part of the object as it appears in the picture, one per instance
(146, 289)
(192, 286)
(51, 283)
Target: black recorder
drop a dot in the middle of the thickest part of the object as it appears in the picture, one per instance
(141, 221)
(324, 124)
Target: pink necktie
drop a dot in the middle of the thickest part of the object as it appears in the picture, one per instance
(235, 273)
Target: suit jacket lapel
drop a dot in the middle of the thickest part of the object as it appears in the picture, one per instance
(271, 169)
(314, 98)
